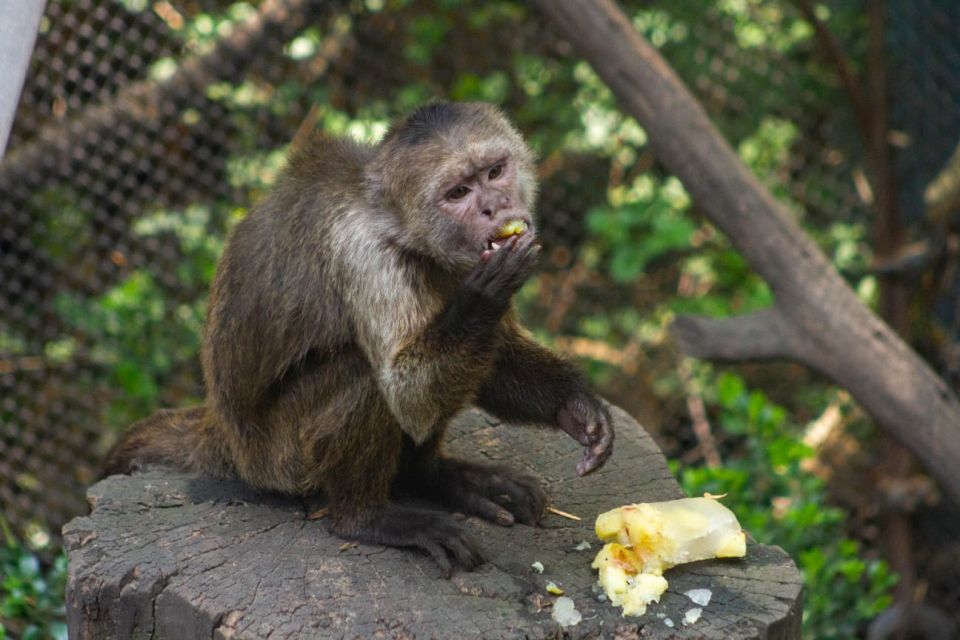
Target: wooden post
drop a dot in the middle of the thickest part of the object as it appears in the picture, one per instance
(170, 556)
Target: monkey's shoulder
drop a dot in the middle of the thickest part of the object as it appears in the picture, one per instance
(325, 161)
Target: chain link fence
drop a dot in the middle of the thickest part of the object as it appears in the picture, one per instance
(146, 126)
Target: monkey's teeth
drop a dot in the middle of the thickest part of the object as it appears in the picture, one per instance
(494, 246)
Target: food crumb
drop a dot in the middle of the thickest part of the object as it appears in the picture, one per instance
(668, 622)
(583, 546)
(552, 588)
(537, 566)
(692, 615)
(565, 612)
(699, 596)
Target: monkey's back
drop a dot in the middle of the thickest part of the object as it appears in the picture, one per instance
(276, 315)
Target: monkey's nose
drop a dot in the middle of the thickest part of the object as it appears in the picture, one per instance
(487, 212)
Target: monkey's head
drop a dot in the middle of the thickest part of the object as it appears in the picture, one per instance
(459, 177)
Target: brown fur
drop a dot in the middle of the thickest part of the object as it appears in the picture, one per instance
(351, 317)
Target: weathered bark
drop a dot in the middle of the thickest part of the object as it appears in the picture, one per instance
(166, 555)
(758, 336)
(824, 324)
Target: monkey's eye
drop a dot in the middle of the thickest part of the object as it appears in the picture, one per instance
(495, 172)
(458, 193)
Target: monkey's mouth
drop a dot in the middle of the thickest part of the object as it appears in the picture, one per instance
(507, 230)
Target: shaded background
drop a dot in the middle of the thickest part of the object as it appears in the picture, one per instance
(147, 127)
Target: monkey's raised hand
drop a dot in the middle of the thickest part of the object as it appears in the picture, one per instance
(500, 273)
(586, 421)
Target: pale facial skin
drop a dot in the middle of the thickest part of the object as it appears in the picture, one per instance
(485, 200)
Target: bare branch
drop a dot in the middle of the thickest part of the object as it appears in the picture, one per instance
(707, 444)
(759, 336)
(150, 100)
(848, 79)
(827, 326)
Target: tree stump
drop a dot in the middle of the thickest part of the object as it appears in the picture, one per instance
(174, 556)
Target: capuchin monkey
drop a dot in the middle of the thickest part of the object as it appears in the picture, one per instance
(359, 307)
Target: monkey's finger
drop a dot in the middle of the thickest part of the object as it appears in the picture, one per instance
(487, 268)
(439, 556)
(494, 265)
(593, 426)
(596, 427)
(524, 246)
(595, 456)
(570, 420)
(476, 550)
(529, 257)
(490, 510)
(528, 507)
(466, 556)
(521, 495)
(467, 551)
(476, 503)
(587, 463)
(521, 242)
(595, 420)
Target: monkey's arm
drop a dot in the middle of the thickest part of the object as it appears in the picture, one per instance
(430, 356)
(531, 384)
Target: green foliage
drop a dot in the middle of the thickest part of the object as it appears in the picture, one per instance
(781, 503)
(136, 331)
(128, 332)
(427, 34)
(645, 248)
(31, 595)
(767, 153)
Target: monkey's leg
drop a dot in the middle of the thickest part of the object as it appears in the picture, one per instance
(532, 385)
(355, 465)
(494, 492)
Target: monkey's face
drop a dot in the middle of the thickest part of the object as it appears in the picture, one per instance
(460, 178)
(485, 202)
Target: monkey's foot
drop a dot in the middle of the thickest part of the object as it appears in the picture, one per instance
(495, 493)
(431, 531)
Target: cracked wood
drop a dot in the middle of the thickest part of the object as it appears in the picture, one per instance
(169, 556)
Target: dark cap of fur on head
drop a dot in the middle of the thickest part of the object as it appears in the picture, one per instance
(434, 119)
(428, 120)
(422, 151)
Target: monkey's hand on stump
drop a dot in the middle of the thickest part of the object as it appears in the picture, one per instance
(431, 531)
(586, 421)
(495, 493)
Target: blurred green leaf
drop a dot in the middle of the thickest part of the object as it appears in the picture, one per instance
(31, 595)
(781, 503)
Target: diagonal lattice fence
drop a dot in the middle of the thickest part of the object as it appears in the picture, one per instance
(147, 126)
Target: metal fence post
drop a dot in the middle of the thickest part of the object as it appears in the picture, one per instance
(18, 31)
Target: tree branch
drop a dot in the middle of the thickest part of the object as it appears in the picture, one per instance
(830, 328)
(848, 79)
(758, 336)
(149, 100)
